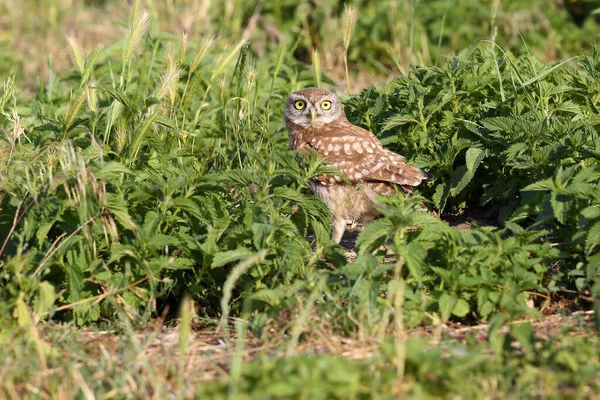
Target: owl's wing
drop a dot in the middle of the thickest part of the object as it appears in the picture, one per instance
(359, 155)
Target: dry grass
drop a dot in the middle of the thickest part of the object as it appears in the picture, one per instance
(151, 356)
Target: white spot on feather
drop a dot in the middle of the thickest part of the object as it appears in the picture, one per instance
(347, 148)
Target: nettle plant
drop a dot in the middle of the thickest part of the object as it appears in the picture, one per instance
(485, 126)
(149, 172)
(160, 167)
(512, 137)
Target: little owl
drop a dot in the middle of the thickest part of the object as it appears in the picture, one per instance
(315, 119)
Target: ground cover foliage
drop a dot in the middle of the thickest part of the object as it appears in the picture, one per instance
(157, 167)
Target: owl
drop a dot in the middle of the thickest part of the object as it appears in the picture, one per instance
(315, 119)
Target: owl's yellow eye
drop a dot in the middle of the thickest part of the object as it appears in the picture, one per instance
(299, 104)
(325, 104)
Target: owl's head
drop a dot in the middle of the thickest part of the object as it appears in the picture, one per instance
(312, 107)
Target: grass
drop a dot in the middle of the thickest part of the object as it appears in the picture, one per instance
(159, 238)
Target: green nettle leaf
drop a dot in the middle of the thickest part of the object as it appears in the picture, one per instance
(225, 257)
(43, 230)
(474, 157)
(160, 241)
(441, 196)
(46, 298)
(542, 185)
(446, 304)
(465, 173)
(566, 359)
(486, 309)
(461, 308)
(151, 221)
(120, 209)
(372, 236)
(524, 333)
(398, 120)
(183, 171)
(593, 238)
(261, 232)
(190, 206)
(561, 206)
(270, 296)
(119, 96)
(111, 170)
(460, 178)
(414, 254)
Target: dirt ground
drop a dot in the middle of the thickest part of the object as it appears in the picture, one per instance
(208, 353)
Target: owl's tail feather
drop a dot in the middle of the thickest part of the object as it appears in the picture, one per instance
(401, 174)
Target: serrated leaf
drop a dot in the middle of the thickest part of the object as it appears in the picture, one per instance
(151, 220)
(24, 319)
(441, 196)
(270, 296)
(190, 206)
(119, 96)
(474, 157)
(414, 254)
(543, 185)
(166, 122)
(561, 206)
(446, 304)
(226, 257)
(111, 170)
(463, 174)
(119, 208)
(46, 297)
(160, 241)
(591, 212)
(593, 238)
(398, 120)
(461, 308)
(372, 236)
(260, 233)
(460, 178)
(43, 230)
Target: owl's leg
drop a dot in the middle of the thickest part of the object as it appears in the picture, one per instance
(338, 229)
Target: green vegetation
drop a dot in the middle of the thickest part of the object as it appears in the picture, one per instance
(151, 183)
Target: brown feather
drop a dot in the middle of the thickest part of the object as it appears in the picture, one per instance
(371, 169)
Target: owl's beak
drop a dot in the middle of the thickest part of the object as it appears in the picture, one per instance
(313, 115)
